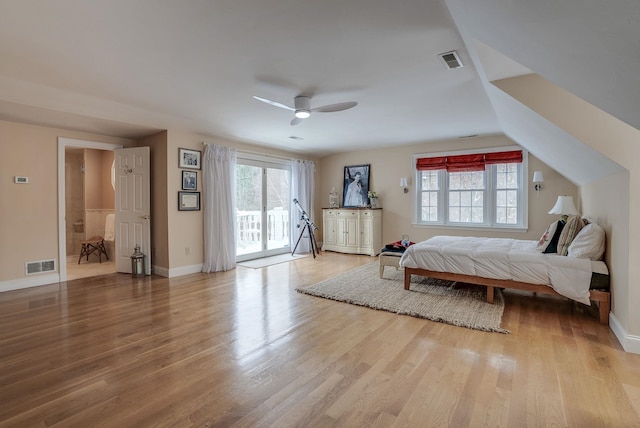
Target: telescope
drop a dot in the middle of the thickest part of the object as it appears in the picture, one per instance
(304, 216)
(308, 224)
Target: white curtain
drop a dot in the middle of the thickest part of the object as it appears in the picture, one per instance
(302, 189)
(219, 188)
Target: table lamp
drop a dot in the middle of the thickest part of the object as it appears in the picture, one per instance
(564, 206)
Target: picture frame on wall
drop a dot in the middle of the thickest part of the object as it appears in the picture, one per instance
(188, 201)
(189, 180)
(190, 159)
(356, 186)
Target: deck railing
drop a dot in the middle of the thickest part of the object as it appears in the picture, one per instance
(250, 228)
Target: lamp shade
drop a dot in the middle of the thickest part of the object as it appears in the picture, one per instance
(403, 182)
(537, 177)
(564, 206)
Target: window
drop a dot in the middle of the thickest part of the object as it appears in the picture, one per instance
(466, 197)
(472, 190)
(507, 193)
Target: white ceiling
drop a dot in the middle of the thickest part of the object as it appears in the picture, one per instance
(588, 49)
(130, 68)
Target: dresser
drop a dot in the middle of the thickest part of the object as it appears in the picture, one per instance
(352, 230)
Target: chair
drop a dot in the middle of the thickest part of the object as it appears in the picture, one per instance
(95, 244)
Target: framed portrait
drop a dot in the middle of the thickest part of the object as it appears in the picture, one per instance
(190, 159)
(356, 186)
(189, 180)
(188, 201)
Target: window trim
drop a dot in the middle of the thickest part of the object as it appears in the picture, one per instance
(490, 183)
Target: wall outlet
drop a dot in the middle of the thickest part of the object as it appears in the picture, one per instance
(187, 251)
(20, 180)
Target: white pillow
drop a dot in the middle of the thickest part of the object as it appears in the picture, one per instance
(589, 243)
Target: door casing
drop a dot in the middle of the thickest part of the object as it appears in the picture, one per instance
(63, 143)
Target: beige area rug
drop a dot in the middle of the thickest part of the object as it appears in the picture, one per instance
(459, 304)
(273, 260)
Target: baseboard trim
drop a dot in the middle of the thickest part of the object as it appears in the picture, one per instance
(19, 284)
(160, 271)
(53, 278)
(185, 270)
(630, 343)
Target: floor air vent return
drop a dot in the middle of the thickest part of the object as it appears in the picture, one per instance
(40, 266)
(451, 60)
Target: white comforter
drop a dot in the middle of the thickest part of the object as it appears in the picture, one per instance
(498, 258)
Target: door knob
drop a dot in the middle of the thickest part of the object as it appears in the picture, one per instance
(145, 217)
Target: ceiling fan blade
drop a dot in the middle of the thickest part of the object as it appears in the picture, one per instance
(296, 120)
(335, 107)
(274, 103)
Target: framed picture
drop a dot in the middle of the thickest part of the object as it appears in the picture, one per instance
(356, 186)
(188, 201)
(190, 159)
(189, 180)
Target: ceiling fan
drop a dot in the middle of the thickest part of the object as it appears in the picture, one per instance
(302, 107)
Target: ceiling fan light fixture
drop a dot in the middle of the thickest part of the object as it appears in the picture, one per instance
(302, 107)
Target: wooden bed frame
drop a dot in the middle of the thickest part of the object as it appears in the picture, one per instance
(601, 296)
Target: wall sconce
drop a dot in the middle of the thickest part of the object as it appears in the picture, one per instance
(403, 184)
(537, 180)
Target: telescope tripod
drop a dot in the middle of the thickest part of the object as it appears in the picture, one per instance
(312, 239)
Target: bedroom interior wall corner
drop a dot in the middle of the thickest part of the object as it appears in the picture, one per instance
(596, 200)
(159, 201)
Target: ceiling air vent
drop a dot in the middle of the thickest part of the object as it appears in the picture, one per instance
(451, 60)
(40, 266)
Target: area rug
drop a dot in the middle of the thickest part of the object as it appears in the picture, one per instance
(463, 305)
(269, 261)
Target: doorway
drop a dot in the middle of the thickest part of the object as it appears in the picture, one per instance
(263, 204)
(84, 202)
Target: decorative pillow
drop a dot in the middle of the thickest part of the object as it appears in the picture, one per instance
(549, 240)
(569, 232)
(589, 243)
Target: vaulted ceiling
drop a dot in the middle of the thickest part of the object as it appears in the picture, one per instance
(129, 69)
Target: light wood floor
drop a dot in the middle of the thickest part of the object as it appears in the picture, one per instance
(243, 349)
(87, 268)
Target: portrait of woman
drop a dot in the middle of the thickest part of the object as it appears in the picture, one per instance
(356, 186)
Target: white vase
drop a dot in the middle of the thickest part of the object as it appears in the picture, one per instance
(374, 202)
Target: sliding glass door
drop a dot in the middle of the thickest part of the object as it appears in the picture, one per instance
(263, 203)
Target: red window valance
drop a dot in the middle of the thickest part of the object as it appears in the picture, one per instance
(474, 162)
(465, 163)
(514, 156)
(425, 164)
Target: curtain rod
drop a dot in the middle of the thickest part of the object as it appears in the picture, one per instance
(250, 152)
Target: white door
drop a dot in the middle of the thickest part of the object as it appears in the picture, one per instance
(133, 220)
(262, 209)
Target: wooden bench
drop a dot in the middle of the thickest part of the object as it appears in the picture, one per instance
(93, 245)
(388, 258)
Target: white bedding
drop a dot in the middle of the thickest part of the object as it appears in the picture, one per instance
(510, 259)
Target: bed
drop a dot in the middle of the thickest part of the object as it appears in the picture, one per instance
(509, 263)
